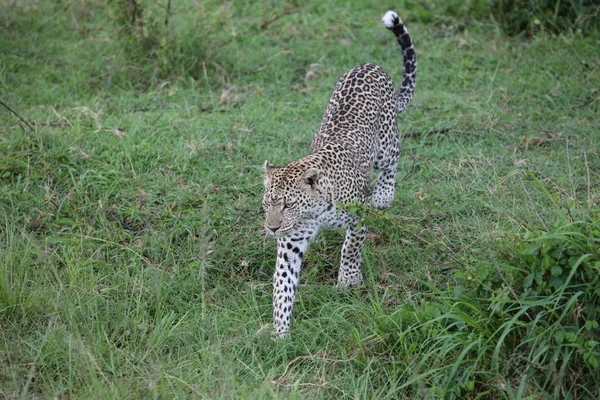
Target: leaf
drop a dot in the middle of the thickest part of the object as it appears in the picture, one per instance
(531, 249)
(458, 291)
(591, 344)
(482, 272)
(547, 262)
(557, 253)
(539, 278)
(591, 324)
(556, 271)
(528, 281)
(555, 283)
(559, 336)
(572, 204)
(591, 359)
(571, 337)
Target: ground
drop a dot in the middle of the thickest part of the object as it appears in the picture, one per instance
(132, 261)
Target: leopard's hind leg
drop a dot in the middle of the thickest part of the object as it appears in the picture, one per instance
(351, 260)
(385, 187)
(386, 161)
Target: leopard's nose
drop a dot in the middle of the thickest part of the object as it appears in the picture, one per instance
(273, 228)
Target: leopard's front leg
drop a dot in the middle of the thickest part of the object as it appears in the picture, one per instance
(290, 251)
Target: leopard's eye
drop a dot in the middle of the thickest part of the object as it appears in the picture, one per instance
(289, 205)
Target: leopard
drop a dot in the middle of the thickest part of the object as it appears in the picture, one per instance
(357, 143)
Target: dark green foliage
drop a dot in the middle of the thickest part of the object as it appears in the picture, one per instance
(526, 322)
(153, 43)
(457, 13)
(548, 284)
(513, 17)
(531, 16)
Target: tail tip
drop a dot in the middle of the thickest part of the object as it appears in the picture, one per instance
(391, 20)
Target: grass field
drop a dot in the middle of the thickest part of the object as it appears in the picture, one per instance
(132, 257)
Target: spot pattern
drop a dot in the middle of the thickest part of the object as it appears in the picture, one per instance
(358, 135)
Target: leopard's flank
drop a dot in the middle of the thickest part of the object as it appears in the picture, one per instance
(358, 135)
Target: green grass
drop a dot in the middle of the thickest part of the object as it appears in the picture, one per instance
(132, 261)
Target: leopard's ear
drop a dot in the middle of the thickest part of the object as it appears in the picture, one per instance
(268, 173)
(268, 169)
(311, 177)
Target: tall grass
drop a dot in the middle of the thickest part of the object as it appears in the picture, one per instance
(498, 331)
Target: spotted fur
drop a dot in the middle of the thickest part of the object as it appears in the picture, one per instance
(358, 135)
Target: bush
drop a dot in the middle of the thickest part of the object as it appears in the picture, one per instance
(518, 16)
(525, 324)
(547, 289)
(152, 46)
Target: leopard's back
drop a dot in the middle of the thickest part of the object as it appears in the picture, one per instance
(362, 101)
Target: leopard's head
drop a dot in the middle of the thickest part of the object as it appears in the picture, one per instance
(290, 193)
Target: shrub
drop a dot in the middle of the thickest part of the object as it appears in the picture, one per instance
(518, 16)
(154, 49)
(546, 287)
(523, 324)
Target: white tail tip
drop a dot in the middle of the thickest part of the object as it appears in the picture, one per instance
(391, 19)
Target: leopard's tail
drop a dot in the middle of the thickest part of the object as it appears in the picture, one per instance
(392, 21)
